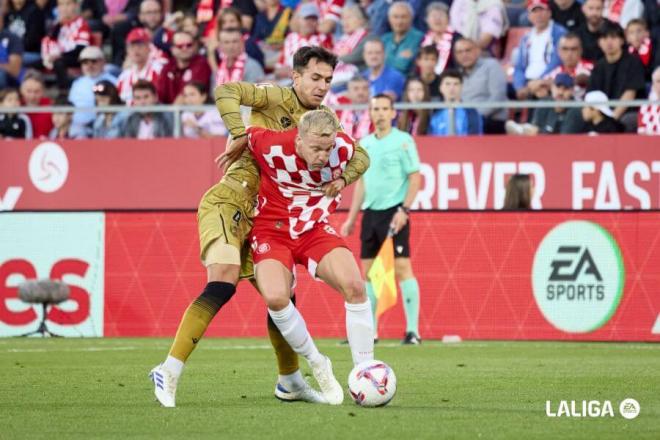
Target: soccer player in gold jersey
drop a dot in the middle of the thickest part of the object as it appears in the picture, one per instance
(226, 211)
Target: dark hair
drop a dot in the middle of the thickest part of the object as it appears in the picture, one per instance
(404, 122)
(7, 91)
(639, 21)
(450, 73)
(106, 88)
(227, 11)
(374, 39)
(428, 50)
(201, 88)
(143, 84)
(304, 55)
(358, 78)
(518, 192)
(34, 75)
(62, 101)
(610, 29)
(384, 96)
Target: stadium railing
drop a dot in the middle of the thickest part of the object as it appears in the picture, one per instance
(177, 110)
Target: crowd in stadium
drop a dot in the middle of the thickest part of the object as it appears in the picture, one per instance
(89, 53)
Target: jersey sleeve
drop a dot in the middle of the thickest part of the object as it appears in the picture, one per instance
(229, 98)
(410, 156)
(254, 144)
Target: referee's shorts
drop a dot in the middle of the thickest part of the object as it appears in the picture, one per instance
(375, 225)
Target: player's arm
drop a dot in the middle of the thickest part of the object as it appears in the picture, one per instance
(358, 198)
(229, 98)
(356, 167)
(411, 165)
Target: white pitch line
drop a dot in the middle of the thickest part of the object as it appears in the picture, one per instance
(126, 348)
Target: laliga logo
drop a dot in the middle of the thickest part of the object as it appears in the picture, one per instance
(48, 167)
(629, 409)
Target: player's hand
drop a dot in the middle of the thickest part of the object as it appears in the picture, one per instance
(347, 228)
(332, 189)
(399, 221)
(232, 152)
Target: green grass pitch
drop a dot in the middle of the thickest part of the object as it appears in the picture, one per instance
(98, 388)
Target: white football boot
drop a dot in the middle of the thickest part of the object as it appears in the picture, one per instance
(305, 394)
(332, 391)
(164, 385)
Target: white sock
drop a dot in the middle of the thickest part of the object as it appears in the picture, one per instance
(360, 331)
(293, 381)
(174, 366)
(294, 331)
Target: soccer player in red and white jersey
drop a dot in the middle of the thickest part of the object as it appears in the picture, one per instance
(141, 64)
(69, 36)
(291, 228)
(307, 35)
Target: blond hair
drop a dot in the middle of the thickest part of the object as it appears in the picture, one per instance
(319, 122)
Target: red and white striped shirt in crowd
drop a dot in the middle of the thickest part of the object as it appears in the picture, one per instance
(295, 41)
(347, 43)
(235, 73)
(583, 68)
(648, 121)
(131, 75)
(355, 123)
(71, 34)
(330, 9)
(443, 45)
(157, 56)
(644, 51)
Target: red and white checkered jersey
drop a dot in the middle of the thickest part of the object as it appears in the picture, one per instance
(295, 41)
(71, 34)
(583, 67)
(288, 189)
(130, 76)
(648, 121)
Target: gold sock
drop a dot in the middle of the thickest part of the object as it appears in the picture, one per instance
(194, 323)
(287, 359)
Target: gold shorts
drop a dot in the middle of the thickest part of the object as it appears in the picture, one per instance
(224, 222)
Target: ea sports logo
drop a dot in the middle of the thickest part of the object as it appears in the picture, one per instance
(578, 276)
(48, 167)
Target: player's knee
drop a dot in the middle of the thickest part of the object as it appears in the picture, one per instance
(354, 291)
(276, 299)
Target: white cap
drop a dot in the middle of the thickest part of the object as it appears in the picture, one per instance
(91, 53)
(597, 100)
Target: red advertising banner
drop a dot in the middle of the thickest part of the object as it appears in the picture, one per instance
(570, 172)
(482, 275)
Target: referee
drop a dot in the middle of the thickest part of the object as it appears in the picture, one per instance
(385, 193)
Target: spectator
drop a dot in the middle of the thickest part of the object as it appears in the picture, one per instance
(307, 18)
(330, 14)
(548, 120)
(13, 125)
(377, 12)
(426, 62)
(61, 120)
(231, 18)
(537, 53)
(32, 95)
(108, 125)
(270, 29)
(484, 80)
(150, 17)
(466, 120)
(649, 115)
(230, 62)
(441, 35)
(11, 59)
(622, 11)
(147, 125)
(483, 21)
(570, 55)
(61, 48)
(588, 31)
(245, 12)
(19, 14)
(618, 75)
(355, 122)
(82, 90)
(598, 116)
(415, 122)
(519, 192)
(382, 78)
(350, 46)
(186, 65)
(139, 64)
(402, 44)
(103, 16)
(568, 13)
(640, 44)
(200, 124)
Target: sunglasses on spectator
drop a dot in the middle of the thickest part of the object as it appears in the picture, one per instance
(184, 45)
(571, 48)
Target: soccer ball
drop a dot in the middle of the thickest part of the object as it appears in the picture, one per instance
(372, 383)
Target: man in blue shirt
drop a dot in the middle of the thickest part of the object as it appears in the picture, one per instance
(466, 120)
(382, 78)
(402, 44)
(385, 193)
(11, 59)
